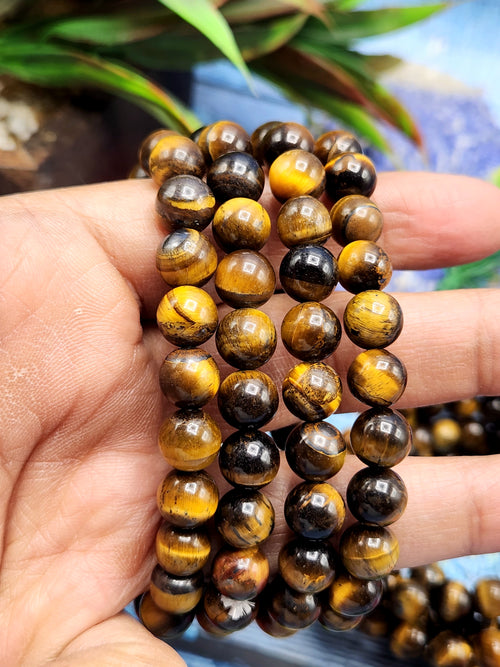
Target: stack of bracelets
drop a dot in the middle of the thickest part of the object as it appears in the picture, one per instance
(217, 177)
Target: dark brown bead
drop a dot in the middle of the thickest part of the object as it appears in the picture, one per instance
(335, 142)
(208, 625)
(373, 319)
(174, 155)
(248, 398)
(137, 172)
(187, 499)
(246, 338)
(284, 137)
(355, 218)
(350, 596)
(181, 552)
(378, 622)
(257, 138)
(408, 641)
(227, 613)
(377, 377)
(249, 458)
(189, 439)
(311, 331)
(452, 601)
(410, 601)
(488, 597)
(185, 201)
(332, 621)
(223, 137)
(241, 223)
(364, 265)
(235, 175)
(303, 220)
(194, 136)
(186, 257)
(312, 391)
(244, 279)
(428, 576)
(423, 442)
(381, 437)
(271, 627)
(290, 608)
(449, 650)
(160, 623)
(368, 552)
(187, 316)
(488, 644)
(307, 565)
(149, 143)
(176, 595)
(315, 451)
(296, 173)
(241, 574)
(245, 517)
(189, 378)
(377, 495)
(308, 273)
(473, 439)
(350, 174)
(314, 510)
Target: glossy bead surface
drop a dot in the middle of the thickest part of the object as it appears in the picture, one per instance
(335, 142)
(308, 273)
(312, 391)
(449, 650)
(311, 331)
(373, 319)
(283, 137)
(241, 223)
(408, 640)
(409, 601)
(187, 499)
(303, 220)
(187, 316)
(355, 218)
(314, 510)
(452, 601)
(246, 338)
(296, 173)
(149, 143)
(227, 613)
(377, 496)
(249, 458)
(181, 552)
(223, 137)
(330, 620)
(364, 265)
(381, 437)
(290, 608)
(137, 172)
(160, 623)
(189, 439)
(350, 596)
(189, 378)
(245, 517)
(307, 565)
(244, 279)
(446, 435)
(174, 155)
(350, 174)
(429, 576)
(235, 175)
(488, 597)
(185, 201)
(368, 552)
(240, 574)
(377, 377)
(488, 644)
(315, 451)
(176, 595)
(271, 627)
(257, 137)
(248, 398)
(186, 257)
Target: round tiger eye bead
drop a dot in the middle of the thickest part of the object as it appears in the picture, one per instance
(330, 620)
(284, 137)
(409, 601)
(271, 627)
(235, 175)
(311, 331)
(189, 440)
(181, 552)
(245, 278)
(488, 597)
(174, 155)
(446, 435)
(350, 174)
(160, 623)
(187, 316)
(296, 173)
(291, 608)
(308, 273)
(241, 223)
(246, 338)
(312, 391)
(488, 646)
(185, 201)
(363, 265)
(408, 641)
(377, 496)
(355, 218)
(186, 257)
(303, 220)
(248, 398)
(249, 458)
(315, 451)
(245, 517)
(257, 138)
(314, 510)
(194, 136)
(227, 613)
(429, 576)
(368, 552)
(149, 143)
(350, 596)
(223, 137)
(176, 595)
(187, 499)
(381, 437)
(241, 574)
(189, 378)
(452, 601)
(377, 377)
(373, 319)
(449, 650)
(307, 565)
(334, 142)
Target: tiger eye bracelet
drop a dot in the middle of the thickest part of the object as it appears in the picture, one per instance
(215, 178)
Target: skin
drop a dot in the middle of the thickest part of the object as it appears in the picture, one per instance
(80, 406)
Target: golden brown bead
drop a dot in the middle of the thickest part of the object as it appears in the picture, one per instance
(189, 439)
(185, 201)
(488, 597)
(377, 377)
(355, 218)
(245, 517)
(245, 278)
(290, 608)
(381, 437)
(296, 173)
(284, 137)
(303, 220)
(446, 434)
(189, 378)
(174, 155)
(246, 338)
(241, 574)
(227, 613)
(308, 273)
(368, 552)
(223, 137)
(311, 331)
(488, 645)
(208, 625)
(249, 458)
(257, 137)
(149, 143)
(428, 576)
(449, 650)
(350, 174)
(373, 319)
(271, 627)
(160, 623)
(235, 175)
(409, 601)
(314, 510)
(350, 596)
(312, 391)
(315, 451)
(423, 442)
(187, 316)
(181, 552)
(408, 640)
(377, 495)
(187, 499)
(452, 601)
(173, 594)
(334, 142)
(307, 565)
(241, 223)
(186, 257)
(330, 620)
(248, 398)
(363, 265)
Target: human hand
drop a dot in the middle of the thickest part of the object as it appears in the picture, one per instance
(81, 408)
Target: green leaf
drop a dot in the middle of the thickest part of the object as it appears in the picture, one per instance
(264, 37)
(495, 177)
(476, 274)
(345, 5)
